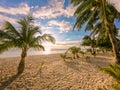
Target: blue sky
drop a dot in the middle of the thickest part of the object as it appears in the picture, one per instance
(53, 16)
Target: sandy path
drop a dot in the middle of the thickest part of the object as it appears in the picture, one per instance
(56, 74)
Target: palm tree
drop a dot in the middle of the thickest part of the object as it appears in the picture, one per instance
(25, 36)
(86, 41)
(92, 12)
(75, 51)
(63, 56)
(103, 42)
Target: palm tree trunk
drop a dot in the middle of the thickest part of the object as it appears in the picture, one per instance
(114, 46)
(22, 61)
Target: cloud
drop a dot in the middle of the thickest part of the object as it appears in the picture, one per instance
(116, 3)
(65, 45)
(69, 11)
(22, 9)
(63, 26)
(69, 43)
(4, 18)
(54, 9)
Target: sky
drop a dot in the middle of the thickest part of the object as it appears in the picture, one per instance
(53, 16)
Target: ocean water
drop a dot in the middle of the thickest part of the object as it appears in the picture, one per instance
(17, 53)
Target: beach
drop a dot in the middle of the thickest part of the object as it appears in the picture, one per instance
(56, 74)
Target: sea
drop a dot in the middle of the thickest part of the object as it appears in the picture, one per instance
(17, 52)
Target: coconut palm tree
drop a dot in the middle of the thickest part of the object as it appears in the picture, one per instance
(63, 56)
(75, 51)
(92, 12)
(25, 36)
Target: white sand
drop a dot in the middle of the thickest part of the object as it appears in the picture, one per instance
(56, 74)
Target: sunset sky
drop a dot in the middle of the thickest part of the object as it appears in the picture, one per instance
(53, 16)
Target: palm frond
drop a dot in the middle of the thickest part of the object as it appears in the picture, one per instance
(6, 46)
(76, 2)
(9, 27)
(27, 35)
(38, 47)
(48, 37)
(113, 70)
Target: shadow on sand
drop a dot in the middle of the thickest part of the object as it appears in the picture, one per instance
(9, 81)
(73, 65)
(99, 61)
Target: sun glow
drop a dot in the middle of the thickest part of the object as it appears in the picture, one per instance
(47, 48)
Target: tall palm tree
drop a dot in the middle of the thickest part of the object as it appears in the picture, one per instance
(25, 36)
(92, 12)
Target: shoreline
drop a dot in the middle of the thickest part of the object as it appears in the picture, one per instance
(31, 55)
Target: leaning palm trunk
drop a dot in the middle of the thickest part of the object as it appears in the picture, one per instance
(114, 46)
(22, 61)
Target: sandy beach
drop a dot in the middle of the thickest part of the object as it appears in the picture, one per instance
(56, 74)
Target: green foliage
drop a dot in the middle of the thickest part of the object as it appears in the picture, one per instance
(81, 52)
(26, 35)
(113, 70)
(86, 41)
(118, 44)
(116, 86)
(41, 64)
(97, 16)
(63, 56)
(75, 51)
(103, 41)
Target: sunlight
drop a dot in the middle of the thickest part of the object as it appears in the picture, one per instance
(47, 46)
(47, 50)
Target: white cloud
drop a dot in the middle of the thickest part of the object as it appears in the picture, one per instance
(66, 45)
(69, 11)
(116, 3)
(6, 18)
(23, 8)
(54, 9)
(63, 26)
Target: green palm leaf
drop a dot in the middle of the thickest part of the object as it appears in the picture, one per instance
(25, 36)
(113, 70)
